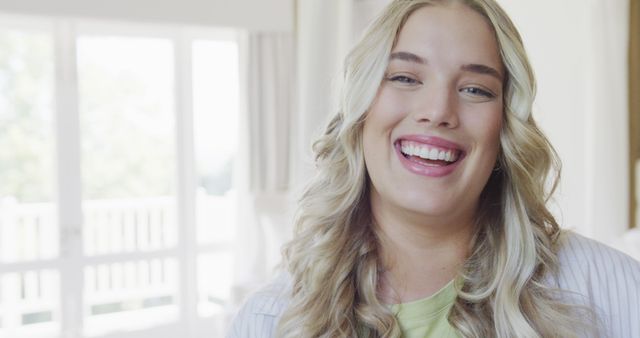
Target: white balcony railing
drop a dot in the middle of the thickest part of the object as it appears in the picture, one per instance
(29, 232)
(129, 225)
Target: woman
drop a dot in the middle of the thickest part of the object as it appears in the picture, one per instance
(427, 217)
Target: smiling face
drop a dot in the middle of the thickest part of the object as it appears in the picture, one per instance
(431, 137)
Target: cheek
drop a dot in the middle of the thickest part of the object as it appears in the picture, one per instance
(382, 118)
(370, 137)
(385, 113)
(486, 127)
(497, 128)
(494, 128)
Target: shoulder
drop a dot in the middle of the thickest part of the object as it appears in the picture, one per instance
(260, 313)
(605, 279)
(581, 257)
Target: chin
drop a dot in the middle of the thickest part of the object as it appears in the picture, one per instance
(430, 206)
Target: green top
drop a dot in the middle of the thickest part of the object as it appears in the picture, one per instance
(427, 317)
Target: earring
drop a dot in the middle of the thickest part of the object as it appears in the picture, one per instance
(497, 167)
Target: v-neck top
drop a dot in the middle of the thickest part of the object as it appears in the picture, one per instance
(427, 317)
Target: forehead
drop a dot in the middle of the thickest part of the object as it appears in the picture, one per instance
(453, 33)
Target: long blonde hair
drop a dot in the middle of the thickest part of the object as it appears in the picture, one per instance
(334, 256)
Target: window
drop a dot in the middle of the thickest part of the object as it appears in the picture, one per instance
(150, 126)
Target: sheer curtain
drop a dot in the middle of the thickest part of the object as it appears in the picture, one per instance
(263, 176)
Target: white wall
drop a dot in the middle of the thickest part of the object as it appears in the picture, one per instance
(578, 50)
(269, 15)
(557, 52)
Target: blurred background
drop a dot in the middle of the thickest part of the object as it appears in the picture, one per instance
(151, 151)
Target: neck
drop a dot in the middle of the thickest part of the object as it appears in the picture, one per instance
(419, 258)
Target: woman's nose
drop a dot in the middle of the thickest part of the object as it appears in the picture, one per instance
(437, 107)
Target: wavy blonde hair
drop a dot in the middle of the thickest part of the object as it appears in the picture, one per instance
(334, 256)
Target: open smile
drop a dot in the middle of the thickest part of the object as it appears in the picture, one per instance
(428, 156)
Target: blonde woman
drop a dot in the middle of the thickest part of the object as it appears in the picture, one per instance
(427, 216)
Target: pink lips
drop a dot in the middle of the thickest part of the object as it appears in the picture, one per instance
(430, 171)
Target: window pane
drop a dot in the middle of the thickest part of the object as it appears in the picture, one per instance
(28, 222)
(128, 149)
(29, 304)
(214, 282)
(215, 97)
(130, 295)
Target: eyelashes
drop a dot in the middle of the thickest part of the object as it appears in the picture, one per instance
(403, 80)
(476, 91)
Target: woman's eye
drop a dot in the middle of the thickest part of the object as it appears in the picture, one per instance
(403, 79)
(478, 92)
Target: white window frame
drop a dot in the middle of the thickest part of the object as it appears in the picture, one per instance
(71, 260)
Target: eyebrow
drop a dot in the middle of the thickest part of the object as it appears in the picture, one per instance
(472, 67)
(482, 69)
(406, 56)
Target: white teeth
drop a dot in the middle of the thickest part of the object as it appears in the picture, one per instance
(427, 153)
(433, 155)
(424, 152)
(454, 156)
